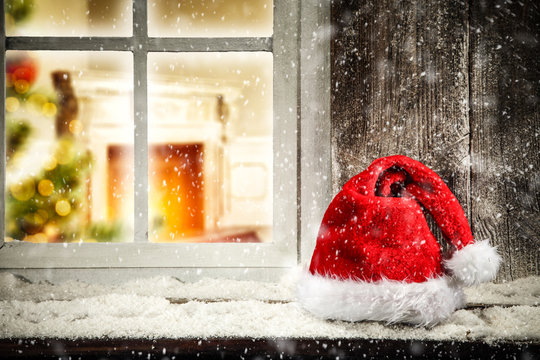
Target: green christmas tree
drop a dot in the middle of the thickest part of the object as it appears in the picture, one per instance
(52, 205)
(47, 207)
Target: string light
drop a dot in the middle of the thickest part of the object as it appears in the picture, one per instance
(45, 187)
(75, 127)
(23, 190)
(49, 109)
(50, 164)
(22, 86)
(62, 207)
(12, 104)
(51, 230)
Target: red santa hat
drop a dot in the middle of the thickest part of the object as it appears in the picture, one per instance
(376, 258)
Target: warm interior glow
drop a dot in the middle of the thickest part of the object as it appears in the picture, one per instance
(222, 101)
(210, 121)
(176, 191)
(119, 179)
(68, 109)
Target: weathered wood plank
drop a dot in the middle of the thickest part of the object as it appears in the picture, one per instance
(254, 348)
(400, 86)
(505, 91)
(468, 306)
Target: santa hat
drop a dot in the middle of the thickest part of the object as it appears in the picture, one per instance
(376, 259)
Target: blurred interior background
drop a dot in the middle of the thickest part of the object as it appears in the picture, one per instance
(70, 126)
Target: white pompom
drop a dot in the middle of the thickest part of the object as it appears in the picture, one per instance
(474, 264)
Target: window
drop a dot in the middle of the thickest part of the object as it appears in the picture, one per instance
(164, 73)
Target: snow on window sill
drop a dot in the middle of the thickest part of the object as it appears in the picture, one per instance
(164, 307)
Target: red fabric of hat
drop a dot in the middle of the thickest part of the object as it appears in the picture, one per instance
(376, 258)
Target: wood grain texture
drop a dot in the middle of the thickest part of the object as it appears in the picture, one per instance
(404, 75)
(505, 90)
(254, 348)
(400, 86)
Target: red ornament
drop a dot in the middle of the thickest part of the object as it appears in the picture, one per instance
(21, 67)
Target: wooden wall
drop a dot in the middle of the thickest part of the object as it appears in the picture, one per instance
(456, 85)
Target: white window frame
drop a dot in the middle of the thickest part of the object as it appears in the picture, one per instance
(301, 133)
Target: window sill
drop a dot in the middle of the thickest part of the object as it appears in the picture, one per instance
(275, 348)
(233, 313)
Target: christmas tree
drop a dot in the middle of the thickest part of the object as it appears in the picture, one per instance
(43, 207)
(51, 203)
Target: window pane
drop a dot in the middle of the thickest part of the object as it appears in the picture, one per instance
(210, 147)
(219, 18)
(68, 17)
(69, 162)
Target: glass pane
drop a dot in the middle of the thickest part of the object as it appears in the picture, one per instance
(210, 147)
(218, 18)
(68, 17)
(69, 140)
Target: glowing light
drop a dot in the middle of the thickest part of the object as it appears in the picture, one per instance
(62, 207)
(22, 86)
(51, 230)
(75, 127)
(50, 164)
(45, 187)
(48, 109)
(23, 190)
(37, 238)
(12, 104)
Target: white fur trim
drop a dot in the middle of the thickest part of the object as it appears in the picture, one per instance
(425, 303)
(474, 264)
